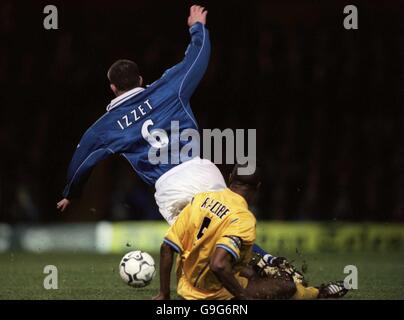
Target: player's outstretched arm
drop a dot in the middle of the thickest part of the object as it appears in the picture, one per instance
(166, 263)
(221, 265)
(185, 76)
(90, 151)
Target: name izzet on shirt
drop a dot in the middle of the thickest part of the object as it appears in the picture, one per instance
(137, 113)
(205, 309)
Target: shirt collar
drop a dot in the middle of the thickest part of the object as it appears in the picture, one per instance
(123, 97)
(240, 198)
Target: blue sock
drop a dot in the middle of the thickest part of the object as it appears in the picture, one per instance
(257, 249)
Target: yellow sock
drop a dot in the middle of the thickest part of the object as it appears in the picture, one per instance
(305, 293)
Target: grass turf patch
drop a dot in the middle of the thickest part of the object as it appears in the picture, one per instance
(94, 276)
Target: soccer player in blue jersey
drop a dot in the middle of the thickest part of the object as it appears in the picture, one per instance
(131, 125)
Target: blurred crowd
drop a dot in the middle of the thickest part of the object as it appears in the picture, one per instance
(324, 101)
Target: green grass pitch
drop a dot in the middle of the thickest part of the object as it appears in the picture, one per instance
(93, 276)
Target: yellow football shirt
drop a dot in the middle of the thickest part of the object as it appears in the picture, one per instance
(212, 219)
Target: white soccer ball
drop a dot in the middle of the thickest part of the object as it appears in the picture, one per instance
(137, 269)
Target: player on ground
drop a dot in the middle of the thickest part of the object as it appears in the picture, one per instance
(137, 115)
(213, 236)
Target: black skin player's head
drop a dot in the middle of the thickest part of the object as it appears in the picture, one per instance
(123, 76)
(245, 185)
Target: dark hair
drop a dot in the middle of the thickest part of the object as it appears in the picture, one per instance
(251, 180)
(124, 74)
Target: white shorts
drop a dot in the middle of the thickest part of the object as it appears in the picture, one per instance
(176, 188)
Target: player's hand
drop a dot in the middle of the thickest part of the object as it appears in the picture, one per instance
(197, 14)
(161, 296)
(63, 204)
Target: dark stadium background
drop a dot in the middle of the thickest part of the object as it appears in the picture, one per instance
(324, 101)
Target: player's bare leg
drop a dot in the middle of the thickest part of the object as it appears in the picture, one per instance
(269, 289)
(284, 287)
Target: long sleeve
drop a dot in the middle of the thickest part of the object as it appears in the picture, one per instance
(89, 152)
(176, 234)
(184, 77)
